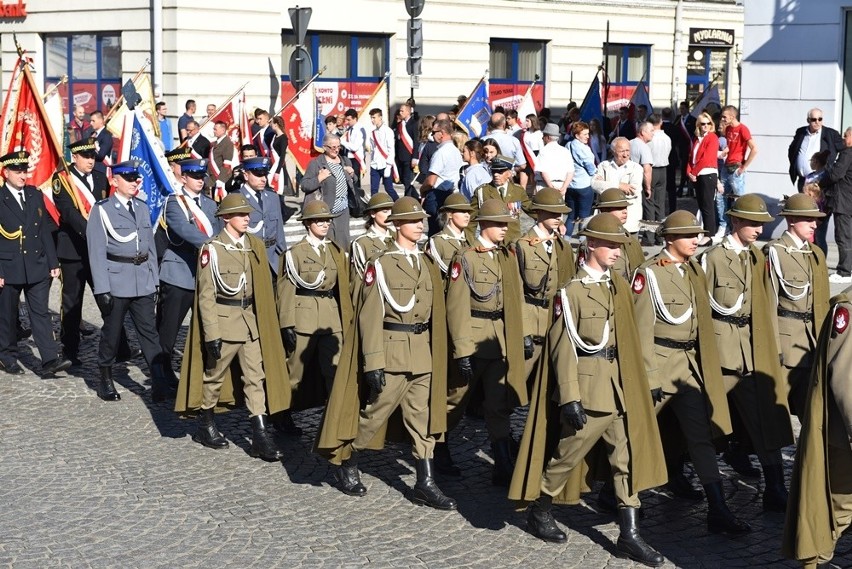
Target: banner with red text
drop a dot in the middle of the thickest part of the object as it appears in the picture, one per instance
(510, 95)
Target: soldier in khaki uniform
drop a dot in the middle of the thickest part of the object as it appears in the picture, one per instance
(374, 241)
(314, 307)
(612, 201)
(231, 319)
(546, 263)
(455, 218)
(748, 352)
(402, 333)
(821, 488)
(594, 373)
(502, 188)
(485, 323)
(797, 282)
(673, 312)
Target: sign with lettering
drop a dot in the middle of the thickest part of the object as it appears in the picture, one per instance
(13, 10)
(711, 36)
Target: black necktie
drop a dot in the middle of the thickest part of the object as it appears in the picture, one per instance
(260, 200)
(23, 201)
(130, 208)
(197, 202)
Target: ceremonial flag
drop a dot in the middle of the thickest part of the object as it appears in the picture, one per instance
(709, 96)
(592, 107)
(27, 127)
(115, 118)
(299, 122)
(476, 112)
(141, 143)
(55, 114)
(233, 113)
(526, 108)
(640, 96)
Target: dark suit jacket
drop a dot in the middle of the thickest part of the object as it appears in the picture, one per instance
(829, 140)
(28, 260)
(681, 140)
(104, 142)
(71, 237)
(202, 147)
(402, 153)
(671, 129)
(840, 174)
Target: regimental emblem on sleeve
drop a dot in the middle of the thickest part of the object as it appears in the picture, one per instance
(581, 257)
(205, 258)
(638, 283)
(370, 276)
(557, 306)
(57, 186)
(841, 319)
(455, 271)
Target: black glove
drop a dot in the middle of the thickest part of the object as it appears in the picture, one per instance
(375, 381)
(289, 337)
(104, 302)
(528, 347)
(574, 415)
(657, 395)
(465, 368)
(214, 351)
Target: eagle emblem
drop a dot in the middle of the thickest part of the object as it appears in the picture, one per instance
(370, 276)
(638, 283)
(205, 258)
(841, 319)
(455, 271)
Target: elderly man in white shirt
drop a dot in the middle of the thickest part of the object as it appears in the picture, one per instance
(622, 173)
(554, 167)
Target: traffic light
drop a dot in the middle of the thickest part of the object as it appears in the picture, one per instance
(415, 46)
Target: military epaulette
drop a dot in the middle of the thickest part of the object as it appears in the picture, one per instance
(102, 202)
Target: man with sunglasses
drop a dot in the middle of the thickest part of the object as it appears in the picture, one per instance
(266, 222)
(123, 261)
(191, 220)
(808, 140)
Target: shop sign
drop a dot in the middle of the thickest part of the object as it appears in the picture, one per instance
(10, 10)
(711, 37)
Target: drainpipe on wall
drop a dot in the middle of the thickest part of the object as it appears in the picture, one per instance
(157, 47)
(676, 57)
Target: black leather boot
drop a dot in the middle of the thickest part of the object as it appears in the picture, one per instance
(678, 483)
(774, 491)
(739, 461)
(426, 492)
(207, 434)
(283, 423)
(540, 521)
(106, 389)
(161, 387)
(631, 544)
(444, 460)
(720, 519)
(262, 445)
(503, 466)
(348, 478)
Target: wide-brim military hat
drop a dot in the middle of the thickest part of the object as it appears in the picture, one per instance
(18, 160)
(379, 201)
(316, 210)
(800, 205)
(234, 203)
(128, 167)
(549, 199)
(494, 210)
(681, 222)
(605, 227)
(456, 202)
(750, 207)
(179, 154)
(407, 208)
(85, 148)
(612, 198)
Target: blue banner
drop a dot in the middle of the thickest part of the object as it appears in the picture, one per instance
(319, 126)
(155, 171)
(592, 107)
(476, 113)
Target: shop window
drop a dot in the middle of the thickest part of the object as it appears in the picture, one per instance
(92, 63)
(345, 57)
(628, 64)
(516, 61)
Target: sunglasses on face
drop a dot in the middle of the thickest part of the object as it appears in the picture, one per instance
(704, 123)
(815, 119)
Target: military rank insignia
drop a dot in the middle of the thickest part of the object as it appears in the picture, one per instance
(57, 186)
(205, 258)
(841, 319)
(370, 276)
(638, 283)
(455, 271)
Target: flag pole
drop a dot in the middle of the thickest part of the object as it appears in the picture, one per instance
(49, 92)
(469, 99)
(302, 89)
(373, 95)
(121, 98)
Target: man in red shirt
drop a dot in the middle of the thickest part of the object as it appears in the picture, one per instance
(741, 151)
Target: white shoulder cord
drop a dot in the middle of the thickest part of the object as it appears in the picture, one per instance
(217, 278)
(434, 252)
(723, 310)
(660, 306)
(775, 262)
(256, 228)
(108, 228)
(576, 341)
(294, 277)
(383, 288)
(359, 258)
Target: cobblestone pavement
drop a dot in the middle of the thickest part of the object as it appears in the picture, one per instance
(85, 483)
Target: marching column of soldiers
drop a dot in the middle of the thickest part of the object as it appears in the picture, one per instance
(639, 364)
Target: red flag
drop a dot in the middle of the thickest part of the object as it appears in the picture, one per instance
(26, 127)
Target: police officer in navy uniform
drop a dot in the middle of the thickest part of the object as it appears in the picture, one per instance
(191, 220)
(124, 270)
(28, 264)
(266, 222)
(74, 196)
